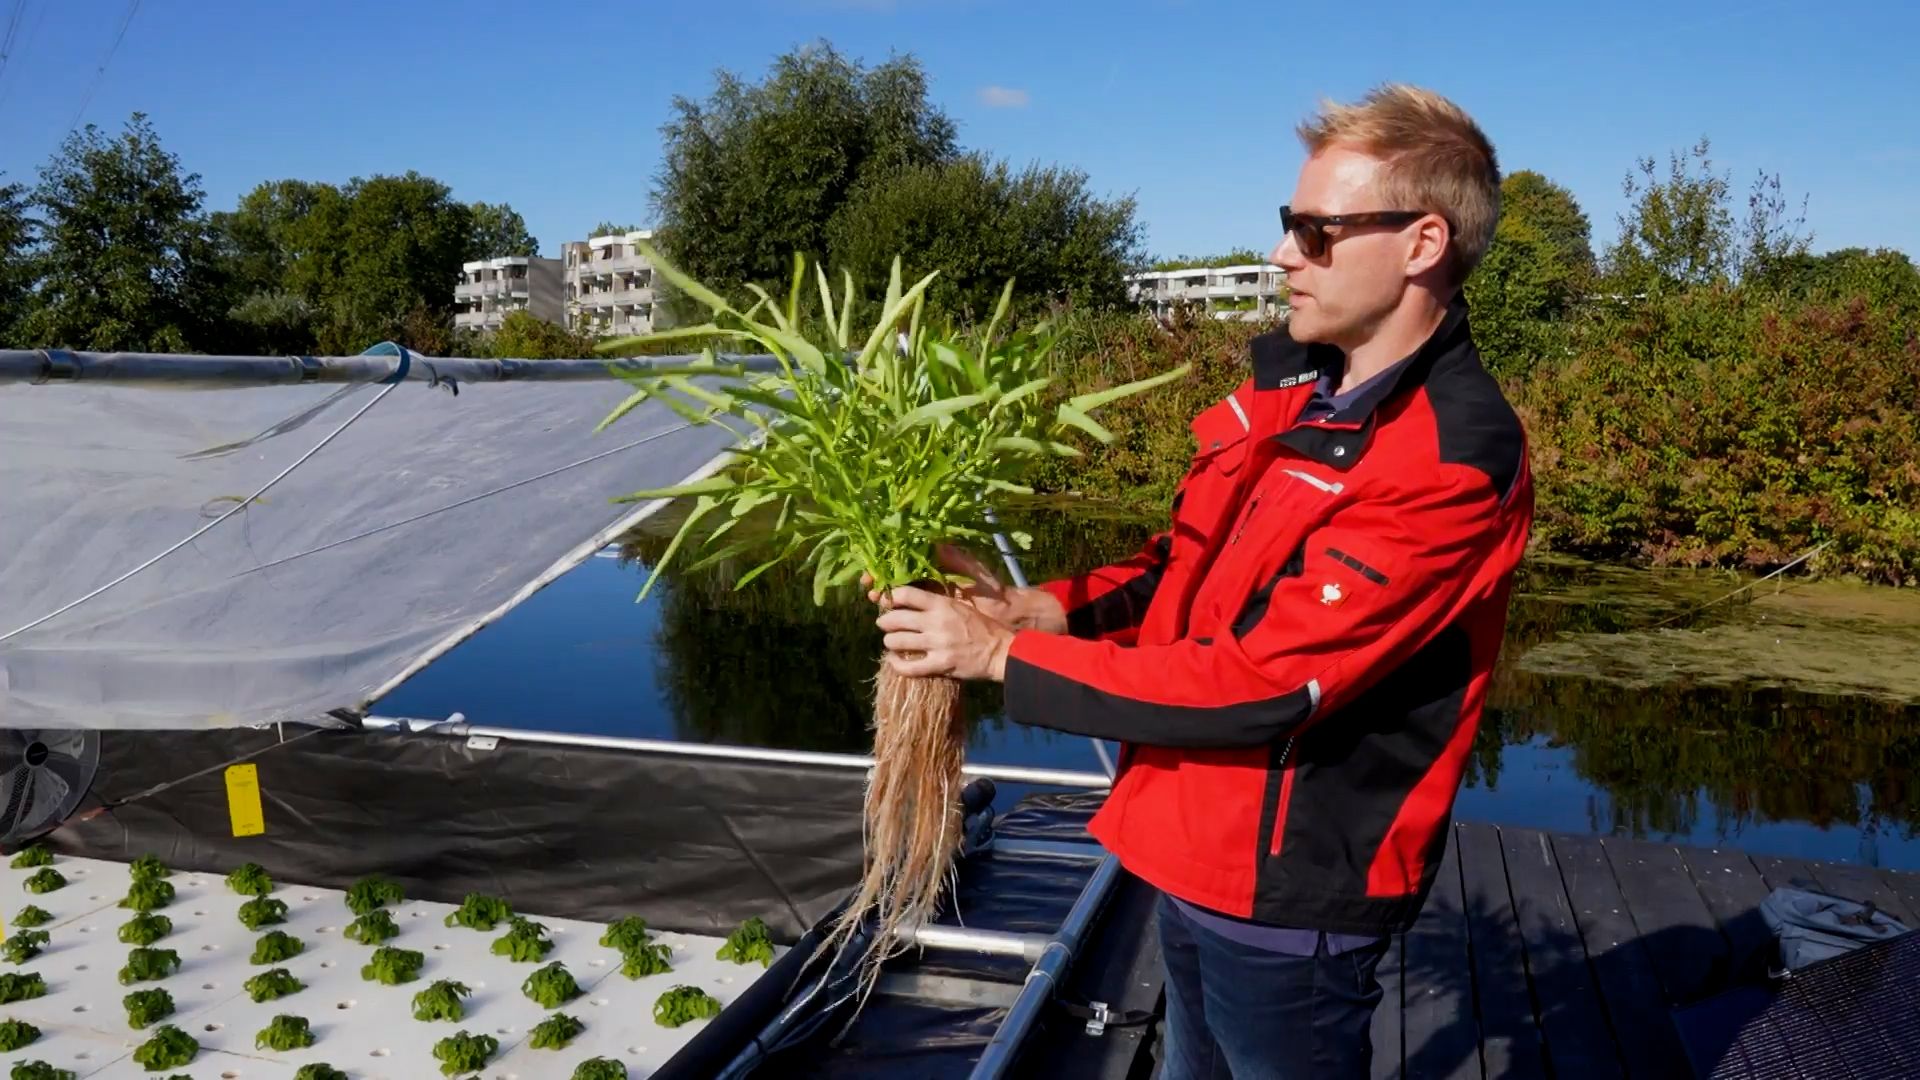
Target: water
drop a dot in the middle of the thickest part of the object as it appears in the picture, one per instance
(1780, 723)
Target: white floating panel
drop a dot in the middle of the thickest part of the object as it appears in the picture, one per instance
(362, 1028)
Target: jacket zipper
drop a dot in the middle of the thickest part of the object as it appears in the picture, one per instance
(1241, 531)
(1286, 796)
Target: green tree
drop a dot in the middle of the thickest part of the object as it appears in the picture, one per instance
(1537, 268)
(400, 246)
(979, 223)
(608, 228)
(1236, 257)
(756, 172)
(1676, 232)
(283, 250)
(498, 230)
(525, 336)
(127, 261)
(16, 264)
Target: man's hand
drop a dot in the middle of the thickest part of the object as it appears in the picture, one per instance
(1021, 609)
(954, 636)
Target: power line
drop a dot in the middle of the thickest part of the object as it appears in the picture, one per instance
(12, 34)
(100, 74)
(24, 45)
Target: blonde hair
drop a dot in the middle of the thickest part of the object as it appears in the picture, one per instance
(1436, 159)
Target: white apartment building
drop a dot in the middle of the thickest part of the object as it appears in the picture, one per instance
(1254, 291)
(609, 285)
(489, 289)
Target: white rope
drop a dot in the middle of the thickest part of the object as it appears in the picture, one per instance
(203, 530)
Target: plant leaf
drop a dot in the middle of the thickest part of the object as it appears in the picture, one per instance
(698, 292)
(935, 410)
(1087, 402)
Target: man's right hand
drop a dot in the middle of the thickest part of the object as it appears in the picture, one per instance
(1022, 609)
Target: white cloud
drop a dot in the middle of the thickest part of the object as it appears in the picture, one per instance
(1003, 97)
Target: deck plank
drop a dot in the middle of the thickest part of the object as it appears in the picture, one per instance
(1510, 1044)
(1442, 1037)
(1389, 1047)
(1572, 1020)
(1636, 1007)
(1907, 887)
(1861, 883)
(1732, 889)
(1781, 871)
(1678, 932)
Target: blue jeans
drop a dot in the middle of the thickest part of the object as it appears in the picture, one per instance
(1251, 1014)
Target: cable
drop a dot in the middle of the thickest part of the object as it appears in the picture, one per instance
(204, 529)
(100, 73)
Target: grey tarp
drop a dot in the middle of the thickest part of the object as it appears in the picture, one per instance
(419, 521)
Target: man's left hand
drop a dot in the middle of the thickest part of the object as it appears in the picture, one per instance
(955, 637)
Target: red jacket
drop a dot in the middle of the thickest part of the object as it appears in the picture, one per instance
(1297, 665)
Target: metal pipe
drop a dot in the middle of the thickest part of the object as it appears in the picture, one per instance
(1014, 774)
(997, 1059)
(57, 366)
(1028, 947)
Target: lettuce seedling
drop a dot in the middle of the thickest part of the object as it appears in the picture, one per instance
(170, 1048)
(441, 1001)
(464, 1053)
(39, 1070)
(372, 893)
(145, 928)
(749, 943)
(627, 934)
(600, 1069)
(478, 912)
(286, 1032)
(262, 911)
(552, 986)
(319, 1071)
(147, 1007)
(273, 985)
(149, 965)
(372, 928)
(646, 960)
(148, 894)
(30, 917)
(276, 945)
(555, 1032)
(393, 966)
(149, 866)
(525, 941)
(24, 945)
(683, 1004)
(32, 855)
(17, 987)
(15, 1034)
(45, 880)
(250, 880)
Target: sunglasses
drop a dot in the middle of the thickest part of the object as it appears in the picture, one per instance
(1310, 230)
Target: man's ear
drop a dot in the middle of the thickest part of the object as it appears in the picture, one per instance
(1432, 239)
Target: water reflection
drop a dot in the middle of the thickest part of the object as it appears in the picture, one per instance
(1596, 723)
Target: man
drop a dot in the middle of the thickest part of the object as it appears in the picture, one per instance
(1297, 665)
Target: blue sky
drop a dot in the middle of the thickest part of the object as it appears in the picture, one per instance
(555, 107)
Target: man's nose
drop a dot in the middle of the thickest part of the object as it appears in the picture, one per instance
(1286, 254)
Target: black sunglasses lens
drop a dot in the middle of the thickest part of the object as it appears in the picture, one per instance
(1306, 234)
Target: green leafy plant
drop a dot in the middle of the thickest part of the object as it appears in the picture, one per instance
(169, 1048)
(319, 1071)
(393, 966)
(30, 916)
(525, 941)
(15, 1034)
(262, 911)
(272, 985)
(552, 986)
(24, 946)
(441, 1001)
(372, 928)
(600, 1069)
(38, 1070)
(480, 912)
(628, 933)
(464, 1053)
(46, 880)
(250, 879)
(555, 1032)
(145, 928)
(276, 945)
(147, 1007)
(32, 855)
(873, 450)
(682, 1004)
(148, 894)
(286, 1032)
(749, 943)
(646, 960)
(15, 986)
(372, 893)
(148, 867)
(147, 965)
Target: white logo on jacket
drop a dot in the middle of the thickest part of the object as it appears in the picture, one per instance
(1330, 594)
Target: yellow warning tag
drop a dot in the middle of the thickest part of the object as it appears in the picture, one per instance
(243, 800)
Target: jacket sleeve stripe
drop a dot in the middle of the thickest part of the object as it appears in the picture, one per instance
(1038, 696)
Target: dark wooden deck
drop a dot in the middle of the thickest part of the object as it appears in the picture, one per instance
(1545, 955)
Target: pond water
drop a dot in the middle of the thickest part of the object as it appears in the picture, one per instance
(1781, 721)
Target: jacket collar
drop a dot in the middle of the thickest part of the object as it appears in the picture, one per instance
(1280, 363)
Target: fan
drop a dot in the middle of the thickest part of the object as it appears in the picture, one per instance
(43, 776)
